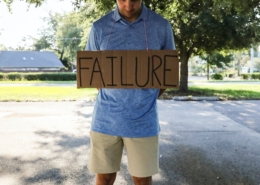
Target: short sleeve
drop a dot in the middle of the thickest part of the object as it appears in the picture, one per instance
(169, 43)
(93, 41)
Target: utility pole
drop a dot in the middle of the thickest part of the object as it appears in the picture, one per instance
(252, 61)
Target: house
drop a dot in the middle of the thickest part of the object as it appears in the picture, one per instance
(29, 61)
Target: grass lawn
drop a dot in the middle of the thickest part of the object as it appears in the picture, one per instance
(67, 93)
(223, 92)
(45, 93)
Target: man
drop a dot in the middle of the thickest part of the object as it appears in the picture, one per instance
(127, 117)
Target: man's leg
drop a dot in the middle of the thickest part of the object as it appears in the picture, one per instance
(143, 158)
(105, 157)
(142, 180)
(105, 179)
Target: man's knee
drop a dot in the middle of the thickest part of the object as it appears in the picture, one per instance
(106, 179)
(142, 180)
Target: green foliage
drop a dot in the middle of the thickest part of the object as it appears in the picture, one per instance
(245, 76)
(200, 26)
(13, 76)
(255, 76)
(51, 76)
(217, 59)
(41, 44)
(31, 77)
(230, 75)
(39, 76)
(205, 26)
(2, 76)
(63, 34)
(216, 76)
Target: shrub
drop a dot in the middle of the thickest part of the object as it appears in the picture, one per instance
(30, 77)
(253, 76)
(2, 76)
(216, 76)
(14, 76)
(39, 76)
(51, 76)
(245, 76)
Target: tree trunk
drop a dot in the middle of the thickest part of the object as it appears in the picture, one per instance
(184, 71)
(61, 54)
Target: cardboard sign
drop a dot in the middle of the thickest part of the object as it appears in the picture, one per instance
(128, 69)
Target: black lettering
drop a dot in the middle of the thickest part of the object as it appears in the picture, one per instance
(112, 71)
(96, 71)
(165, 70)
(80, 68)
(154, 69)
(136, 71)
(121, 74)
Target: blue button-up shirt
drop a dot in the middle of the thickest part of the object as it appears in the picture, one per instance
(128, 112)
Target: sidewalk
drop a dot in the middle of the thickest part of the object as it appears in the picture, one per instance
(201, 143)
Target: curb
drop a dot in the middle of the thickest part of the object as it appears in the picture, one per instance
(196, 98)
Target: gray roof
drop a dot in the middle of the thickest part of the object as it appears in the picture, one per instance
(35, 59)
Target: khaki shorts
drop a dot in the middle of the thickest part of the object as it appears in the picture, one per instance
(106, 153)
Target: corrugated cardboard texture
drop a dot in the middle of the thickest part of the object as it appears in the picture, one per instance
(128, 69)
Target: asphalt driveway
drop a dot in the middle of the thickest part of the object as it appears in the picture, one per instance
(201, 143)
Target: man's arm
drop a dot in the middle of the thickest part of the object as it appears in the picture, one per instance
(92, 44)
(161, 92)
(169, 44)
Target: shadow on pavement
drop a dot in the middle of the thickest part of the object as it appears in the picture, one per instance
(187, 165)
(63, 161)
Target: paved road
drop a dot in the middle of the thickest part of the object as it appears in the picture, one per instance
(201, 143)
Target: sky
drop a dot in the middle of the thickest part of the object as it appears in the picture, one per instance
(23, 21)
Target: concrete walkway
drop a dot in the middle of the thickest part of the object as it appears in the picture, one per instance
(201, 143)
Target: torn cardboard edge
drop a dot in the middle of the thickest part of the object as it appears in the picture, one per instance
(128, 69)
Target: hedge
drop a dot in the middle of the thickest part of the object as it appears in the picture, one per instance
(38, 76)
(2, 76)
(254, 76)
(217, 76)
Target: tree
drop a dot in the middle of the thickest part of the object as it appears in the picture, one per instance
(41, 44)
(200, 26)
(240, 59)
(68, 36)
(62, 34)
(2, 47)
(216, 59)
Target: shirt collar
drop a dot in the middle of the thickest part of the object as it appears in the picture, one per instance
(143, 15)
